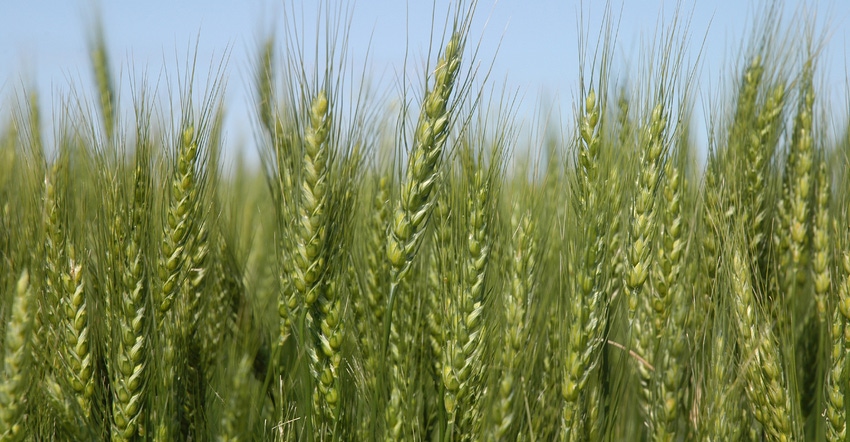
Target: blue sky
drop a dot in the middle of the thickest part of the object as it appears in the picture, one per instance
(46, 40)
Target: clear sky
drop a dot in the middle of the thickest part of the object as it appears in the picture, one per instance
(537, 41)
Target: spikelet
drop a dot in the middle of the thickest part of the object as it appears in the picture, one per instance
(416, 202)
(587, 307)
(16, 361)
(516, 329)
(175, 241)
(76, 334)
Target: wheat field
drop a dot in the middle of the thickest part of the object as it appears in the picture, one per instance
(432, 273)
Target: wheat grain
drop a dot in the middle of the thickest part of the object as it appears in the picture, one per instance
(176, 236)
(129, 375)
(587, 307)
(310, 259)
(762, 145)
(835, 412)
(413, 212)
(76, 333)
(416, 203)
(438, 276)
(642, 236)
(265, 77)
(16, 362)
(765, 383)
(105, 88)
(791, 239)
(668, 305)
(821, 262)
(516, 299)
(467, 360)
(643, 213)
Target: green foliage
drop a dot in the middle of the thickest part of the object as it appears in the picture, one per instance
(442, 289)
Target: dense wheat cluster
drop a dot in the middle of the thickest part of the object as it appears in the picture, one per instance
(447, 278)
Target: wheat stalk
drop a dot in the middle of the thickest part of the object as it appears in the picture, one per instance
(821, 262)
(762, 145)
(835, 412)
(76, 333)
(643, 207)
(765, 389)
(439, 281)
(744, 122)
(175, 239)
(16, 364)
(182, 271)
(516, 298)
(265, 77)
(412, 214)
(793, 209)
(47, 322)
(465, 353)
(370, 304)
(587, 307)
(670, 309)
(105, 88)
(309, 260)
(642, 237)
(130, 370)
(416, 203)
